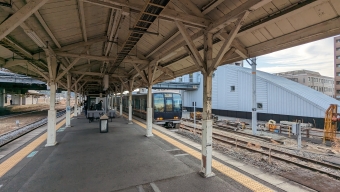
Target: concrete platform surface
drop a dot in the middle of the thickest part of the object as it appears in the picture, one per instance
(121, 160)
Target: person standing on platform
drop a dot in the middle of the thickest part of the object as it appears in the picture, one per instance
(100, 105)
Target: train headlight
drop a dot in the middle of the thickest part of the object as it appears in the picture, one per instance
(161, 118)
(175, 117)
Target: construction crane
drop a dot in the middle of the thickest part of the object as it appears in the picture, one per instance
(330, 123)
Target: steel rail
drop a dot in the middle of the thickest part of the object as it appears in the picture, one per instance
(221, 138)
(14, 134)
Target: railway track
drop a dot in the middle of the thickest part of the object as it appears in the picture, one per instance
(18, 114)
(318, 166)
(14, 134)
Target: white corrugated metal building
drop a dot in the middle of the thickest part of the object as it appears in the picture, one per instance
(278, 98)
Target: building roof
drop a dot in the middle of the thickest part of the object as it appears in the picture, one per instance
(297, 72)
(306, 93)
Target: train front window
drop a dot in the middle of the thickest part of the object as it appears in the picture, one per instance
(177, 102)
(168, 104)
(158, 104)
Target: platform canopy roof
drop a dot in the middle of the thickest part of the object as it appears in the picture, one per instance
(149, 41)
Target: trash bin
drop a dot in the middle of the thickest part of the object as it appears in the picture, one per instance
(104, 124)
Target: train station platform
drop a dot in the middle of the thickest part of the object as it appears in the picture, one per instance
(121, 160)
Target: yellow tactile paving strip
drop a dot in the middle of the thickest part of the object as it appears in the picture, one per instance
(17, 157)
(237, 176)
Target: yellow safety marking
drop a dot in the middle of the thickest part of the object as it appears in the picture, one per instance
(237, 176)
(17, 157)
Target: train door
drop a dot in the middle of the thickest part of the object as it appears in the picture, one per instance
(168, 106)
(158, 106)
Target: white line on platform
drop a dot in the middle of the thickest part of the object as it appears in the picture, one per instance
(181, 154)
(140, 188)
(173, 150)
(154, 187)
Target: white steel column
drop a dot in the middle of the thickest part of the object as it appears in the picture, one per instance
(80, 107)
(121, 101)
(254, 104)
(112, 101)
(207, 127)
(51, 122)
(149, 113)
(130, 107)
(130, 99)
(115, 103)
(68, 101)
(75, 112)
(207, 122)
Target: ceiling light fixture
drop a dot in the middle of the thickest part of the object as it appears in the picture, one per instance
(35, 38)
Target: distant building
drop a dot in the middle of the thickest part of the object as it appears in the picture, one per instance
(337, 67)
(311, 79)
(277, 97)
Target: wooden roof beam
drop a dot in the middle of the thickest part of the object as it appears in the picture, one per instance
(19, 17)
(166, 14)
(45, 26)
(85, 56)
(67, 69)
(82, 44)
(97, 74)
(82, 19)
(163, 44)
(234, 14)
(227, 42)
(166, 71)
(140, 73)
(188, 7)
(198, 59)
(240, 48)
(211, 5)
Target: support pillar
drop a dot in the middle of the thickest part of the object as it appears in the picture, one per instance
(130, 107)
(206, 161)
(80, 109)
(130, 99)
(32, 99)
(2, 97)
(52, 118)
(207, 127)
(115, 103)
(20, 99)
(149, 113)
(75, 112)
(112, 101)
(68, 102)
(121, 102)
(254, 104)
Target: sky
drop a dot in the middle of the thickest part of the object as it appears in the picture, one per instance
(315, 56)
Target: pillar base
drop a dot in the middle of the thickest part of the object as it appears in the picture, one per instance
(130, 122)
(51, 144)
(202, 174)
(151, 135)
(68, 126)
